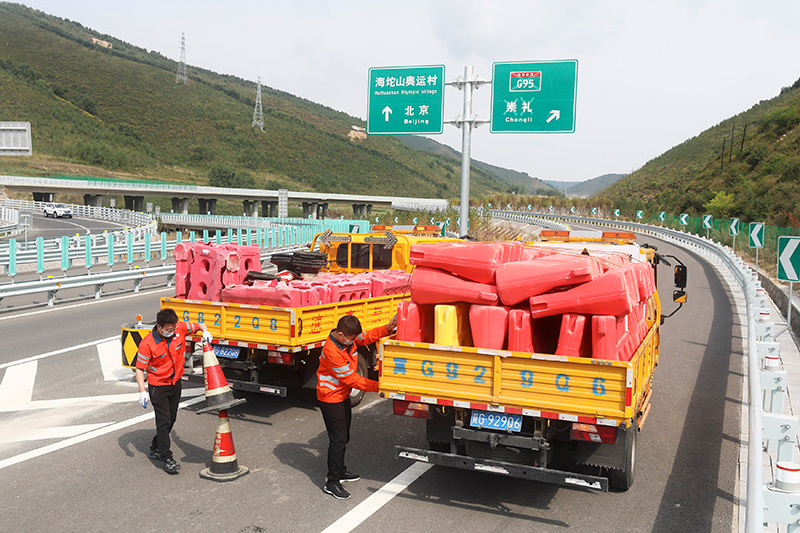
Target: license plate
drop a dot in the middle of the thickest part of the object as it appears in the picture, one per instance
(504, 421)
(229, 352)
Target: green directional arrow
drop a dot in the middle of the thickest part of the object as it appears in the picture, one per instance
(684, 219)
(733, 230)
(756, 234)
(708, 221)
(788, 258)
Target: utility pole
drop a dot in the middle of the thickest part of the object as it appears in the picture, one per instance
(258, 113)
(733, 130)
(182, 75)
(722, 159)
(744, 132)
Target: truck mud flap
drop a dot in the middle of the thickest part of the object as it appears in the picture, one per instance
(246, 386)
(546, 475)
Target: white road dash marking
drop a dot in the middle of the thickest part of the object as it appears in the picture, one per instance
(44, 450)
(17, 385)
(82, 401)
(110, 355)
(57, 432)
(368, 507)
(56, 352)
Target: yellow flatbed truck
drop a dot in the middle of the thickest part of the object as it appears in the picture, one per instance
(267, 349)
(565, 420)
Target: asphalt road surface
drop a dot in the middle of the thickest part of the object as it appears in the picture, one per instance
(73, 442)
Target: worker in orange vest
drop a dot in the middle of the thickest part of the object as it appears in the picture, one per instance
(162, 354)
(336, 377)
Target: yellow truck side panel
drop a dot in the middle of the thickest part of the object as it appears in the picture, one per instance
(568, 385)
(278, 326)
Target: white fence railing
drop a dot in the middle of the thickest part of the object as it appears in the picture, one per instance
(778, 501)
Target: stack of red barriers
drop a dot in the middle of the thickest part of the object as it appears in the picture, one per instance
(203, 270)
(320, 290)
(532, 299)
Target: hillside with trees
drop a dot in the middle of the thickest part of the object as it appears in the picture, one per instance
(115, 110)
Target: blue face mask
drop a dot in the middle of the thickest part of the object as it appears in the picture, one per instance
(165, 334)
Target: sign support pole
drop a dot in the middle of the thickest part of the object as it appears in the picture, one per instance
(788, 312)
(466, 122)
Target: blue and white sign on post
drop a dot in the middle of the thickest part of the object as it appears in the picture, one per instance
(756, 232)
(684, 219)
(788, 259)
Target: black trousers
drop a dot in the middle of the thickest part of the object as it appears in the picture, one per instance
(165, 400)
(337, 417)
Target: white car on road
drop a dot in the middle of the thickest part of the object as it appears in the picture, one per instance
(57, 210)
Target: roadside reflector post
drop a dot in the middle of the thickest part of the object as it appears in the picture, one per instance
(12, 258)
(110, 241)
(147, 254)
(218, 236)
(64, 254)
(129, 246)
(163, 247)
(40, 256)
(87, 248)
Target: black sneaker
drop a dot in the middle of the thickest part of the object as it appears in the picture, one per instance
(153, 454)
(335, 489)
(349, 476)
(171, 466)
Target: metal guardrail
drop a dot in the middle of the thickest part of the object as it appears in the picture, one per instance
(777, 502)
(52, 285)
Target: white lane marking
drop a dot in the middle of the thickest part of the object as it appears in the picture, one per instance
(368, 507)
(56, 352)
(110, 355)
(57, 432)
(142, 292)
(44, 450)
(83, 401)
(17, 385)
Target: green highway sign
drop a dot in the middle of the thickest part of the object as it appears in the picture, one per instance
(684, 219)
(733, 229)
(594, 210)
(788, 258)
(708, 221)
(616, 212)
(640, 214)
(534, 97)
(405, 100)
(662, 216)
(756, 234)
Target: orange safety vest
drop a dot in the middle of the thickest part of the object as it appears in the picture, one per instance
(164, 362)
(337, 374)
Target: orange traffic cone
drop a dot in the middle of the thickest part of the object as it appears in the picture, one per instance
(224, 466)
(218, 393)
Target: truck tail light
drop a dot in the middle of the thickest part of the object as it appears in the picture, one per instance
(279, 358)
(593, 433)
(412, 409)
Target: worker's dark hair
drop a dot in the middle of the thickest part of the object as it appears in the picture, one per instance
(166, 316)
(349, 325)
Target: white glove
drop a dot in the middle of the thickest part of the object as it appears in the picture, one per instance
(207, 337)
(144, 399)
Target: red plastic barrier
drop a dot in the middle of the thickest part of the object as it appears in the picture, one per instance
(414, 322)
(520, 280)
(206, 276)
(475, 261)
(575, 338)
(610, 261)
(520, 330)
(645, 280)
(268, 293)
(489, 325)
(248, 260)
(609, 294)
(183, 269)
(344, 291)
(433, 286)
(391, 284)
(531, 253)
(604, 338)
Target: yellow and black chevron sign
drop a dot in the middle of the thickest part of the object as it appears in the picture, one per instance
(131, 337)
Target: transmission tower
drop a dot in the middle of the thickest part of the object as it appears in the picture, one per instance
(258, 113)
(182, 75)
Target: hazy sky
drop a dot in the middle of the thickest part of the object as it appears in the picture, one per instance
(650, 74)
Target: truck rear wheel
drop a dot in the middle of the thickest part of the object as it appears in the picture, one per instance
(622, 479)
(357, 395)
